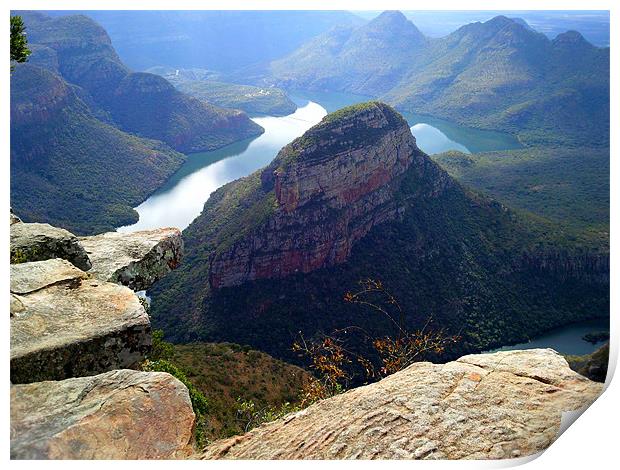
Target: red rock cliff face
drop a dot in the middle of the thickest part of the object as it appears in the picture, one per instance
(331, 187)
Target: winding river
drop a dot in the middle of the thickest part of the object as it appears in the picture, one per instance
(181, 199)
(178, 202)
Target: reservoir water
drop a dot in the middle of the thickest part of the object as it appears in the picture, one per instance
(180, 200)
(566, 339)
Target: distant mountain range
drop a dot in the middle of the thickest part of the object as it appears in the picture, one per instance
(80, 118)
(499, 75)
(593, 24)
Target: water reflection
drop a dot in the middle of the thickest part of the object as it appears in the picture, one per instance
(432, 140)
(567, 339)
(181, 200)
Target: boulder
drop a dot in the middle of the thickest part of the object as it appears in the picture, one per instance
(486, 406)
(123, 414)
(30, 277)
(136, 259)
(37, 242)
(66, 325)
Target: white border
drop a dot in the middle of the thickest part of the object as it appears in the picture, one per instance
(588, 444)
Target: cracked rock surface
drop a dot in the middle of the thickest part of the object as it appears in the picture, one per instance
(123, 414)
(485, 406)
(64, 324)
(30, 277)
(67, 326)
(136, 259)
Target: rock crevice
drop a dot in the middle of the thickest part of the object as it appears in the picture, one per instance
(71, 332)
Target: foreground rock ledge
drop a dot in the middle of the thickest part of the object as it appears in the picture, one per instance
(38, 242)
(136, 259)
(485, 406)
(66, 325)
(123, 414)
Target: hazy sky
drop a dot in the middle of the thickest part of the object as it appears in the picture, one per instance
(594, 25)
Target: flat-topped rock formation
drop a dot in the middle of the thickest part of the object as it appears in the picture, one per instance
(321, 194)
(136, 259)
(486, 406)
(66, 324)
(123, 414)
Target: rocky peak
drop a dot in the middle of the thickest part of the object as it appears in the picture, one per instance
(513, 32)
(343, 140)
(571, 39)
(498, 22)
(321, 194)
(391, 17)
(394, 20)
(392, 24)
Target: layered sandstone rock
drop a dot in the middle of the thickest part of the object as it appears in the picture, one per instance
(64, 324)
(486, 406)
(326, 190)
(136, 259)
(30, 277)
(37, 242)
(67, 326)
(122, 414)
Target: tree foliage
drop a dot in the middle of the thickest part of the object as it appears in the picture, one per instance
(19, 42)
(332, 357)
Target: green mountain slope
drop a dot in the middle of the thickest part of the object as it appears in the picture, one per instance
(80, 50)
(148, 105)
(268, 257)
(568, 187)
(204, 85)
(226, 373)
(69, 168)
(369, 59)
(499, 75)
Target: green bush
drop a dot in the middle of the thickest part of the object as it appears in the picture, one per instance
(161, 350)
